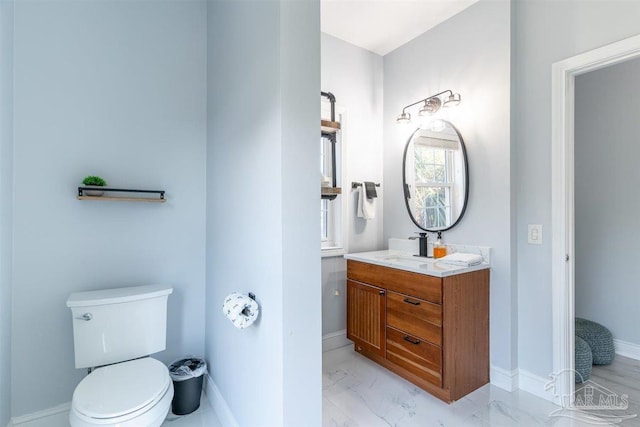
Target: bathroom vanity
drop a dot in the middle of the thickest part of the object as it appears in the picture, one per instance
(425, 321)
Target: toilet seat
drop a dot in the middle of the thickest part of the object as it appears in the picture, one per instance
(125, 391)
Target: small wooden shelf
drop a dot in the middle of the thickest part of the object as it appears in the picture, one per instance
(330, 193)
(327, 126)
(331, 190)
(159, 193)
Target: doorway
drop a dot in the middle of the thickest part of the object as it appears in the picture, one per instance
(563, 198)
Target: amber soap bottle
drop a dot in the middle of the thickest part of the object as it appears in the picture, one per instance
(439, 248)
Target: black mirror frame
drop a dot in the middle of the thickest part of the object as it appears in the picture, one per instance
(405, 188)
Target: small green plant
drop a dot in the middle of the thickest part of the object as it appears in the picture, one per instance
(94, 180)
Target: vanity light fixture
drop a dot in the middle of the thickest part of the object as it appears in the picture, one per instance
(403, 118)
(431, 105)
(452, 100)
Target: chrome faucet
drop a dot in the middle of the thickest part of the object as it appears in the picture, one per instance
(424, 244)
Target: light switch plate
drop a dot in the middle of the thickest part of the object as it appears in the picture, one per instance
(534, 234)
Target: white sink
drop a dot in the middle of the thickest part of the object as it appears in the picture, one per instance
(403, 259)
(415, 262)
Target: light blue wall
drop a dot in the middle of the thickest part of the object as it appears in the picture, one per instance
(470, 54)
(262, 208)
(300, 86)
(546, 32)
(116, 89)
(354, 76)
(6, 211)
(606, 215)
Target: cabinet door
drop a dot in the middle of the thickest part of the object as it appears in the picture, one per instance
(366, 316)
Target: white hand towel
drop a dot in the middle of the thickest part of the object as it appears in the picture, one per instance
(366, 207)
(462, 259)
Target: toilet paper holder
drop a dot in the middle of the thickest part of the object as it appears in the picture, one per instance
(253, 297)
(241, 309)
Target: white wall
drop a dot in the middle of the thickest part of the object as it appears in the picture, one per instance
(354, 76)
(469, 54)
(606, 219)
(116, 89)
(6, 192)
(570, 28)
(262, 208)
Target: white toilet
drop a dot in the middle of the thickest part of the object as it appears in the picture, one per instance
(114, 330)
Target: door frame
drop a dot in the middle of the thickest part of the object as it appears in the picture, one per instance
(563, 197)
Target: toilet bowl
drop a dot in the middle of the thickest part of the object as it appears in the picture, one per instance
(135, 393)
(117, 330)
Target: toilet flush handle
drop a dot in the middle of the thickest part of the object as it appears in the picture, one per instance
(86, 316)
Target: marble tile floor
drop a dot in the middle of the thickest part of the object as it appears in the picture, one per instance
(202, 417)
(356, 392)
(359, 393)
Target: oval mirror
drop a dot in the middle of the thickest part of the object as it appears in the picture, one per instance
(435, 178)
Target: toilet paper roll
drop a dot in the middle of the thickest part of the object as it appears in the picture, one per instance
(241, 310)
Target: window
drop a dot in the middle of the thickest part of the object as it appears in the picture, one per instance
(434, 182)
(332, 228)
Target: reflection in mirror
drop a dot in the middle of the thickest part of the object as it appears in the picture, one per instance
(435, 178)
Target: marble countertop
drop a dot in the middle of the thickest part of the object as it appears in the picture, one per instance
(408, 262)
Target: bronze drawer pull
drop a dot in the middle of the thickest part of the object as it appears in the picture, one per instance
(381, 292)
(408, 301)
(408, 338)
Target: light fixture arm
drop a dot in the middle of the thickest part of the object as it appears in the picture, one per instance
(427, 98)
(432, 104)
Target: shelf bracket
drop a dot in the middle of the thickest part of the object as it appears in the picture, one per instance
(82, 189)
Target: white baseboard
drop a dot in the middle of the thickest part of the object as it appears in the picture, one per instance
(506, 380)
(56, 416)
(219, 405)
(627, 349)
(335, 340)
(535, 385)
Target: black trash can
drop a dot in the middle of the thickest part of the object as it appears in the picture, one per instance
(187, 377)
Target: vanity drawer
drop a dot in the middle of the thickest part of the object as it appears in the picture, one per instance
(414, 284)
(417, 317)
(364, 272)
(419, 357)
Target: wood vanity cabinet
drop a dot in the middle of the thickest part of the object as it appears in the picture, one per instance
(429, 330)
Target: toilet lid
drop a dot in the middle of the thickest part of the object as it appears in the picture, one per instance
(119, 389)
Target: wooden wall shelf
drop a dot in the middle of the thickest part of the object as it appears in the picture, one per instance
(327, 126)
(330, 192)
(83, 196)
(328, 130)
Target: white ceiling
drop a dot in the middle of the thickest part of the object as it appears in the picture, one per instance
(383, 25)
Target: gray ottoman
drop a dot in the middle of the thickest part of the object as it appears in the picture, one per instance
(599, 339)
(583, 360)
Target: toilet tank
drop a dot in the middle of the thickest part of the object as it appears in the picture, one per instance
(114, 325)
